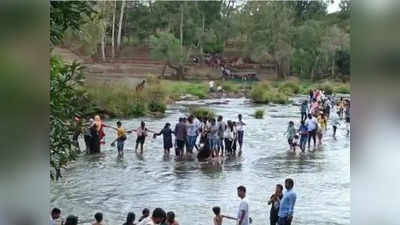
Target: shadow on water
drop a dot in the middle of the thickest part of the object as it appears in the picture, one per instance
(290, 163)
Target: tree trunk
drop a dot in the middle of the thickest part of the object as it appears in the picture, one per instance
(201, 46)
(333, 67)
(103, 52)
(179, 70)
(312, 73)
(181, 25)
(113, 31)
(163, 70)
(103, 35)
(121, 18)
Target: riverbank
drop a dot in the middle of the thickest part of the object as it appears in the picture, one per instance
(120, 99)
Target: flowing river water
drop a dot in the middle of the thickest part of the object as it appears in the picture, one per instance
(103, 183)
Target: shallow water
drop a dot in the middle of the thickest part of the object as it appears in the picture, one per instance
(190, 189)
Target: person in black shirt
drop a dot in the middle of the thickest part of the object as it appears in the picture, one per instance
(275, 201)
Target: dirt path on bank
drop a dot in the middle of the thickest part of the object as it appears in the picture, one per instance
(134, 65)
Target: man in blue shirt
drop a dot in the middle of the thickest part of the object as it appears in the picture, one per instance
(287, 204)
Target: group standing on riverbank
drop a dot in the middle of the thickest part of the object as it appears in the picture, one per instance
(314, 120)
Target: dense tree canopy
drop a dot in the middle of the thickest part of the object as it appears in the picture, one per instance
(67, 99)
(295, 36)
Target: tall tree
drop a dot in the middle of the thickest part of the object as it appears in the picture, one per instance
(333, 41)
(103, 33)
(309, 9)
(121, 17)
(66, 96)
(345, 8)
(165, 46)
(113, 30)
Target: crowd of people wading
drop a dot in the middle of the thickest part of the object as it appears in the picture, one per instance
(213, 138)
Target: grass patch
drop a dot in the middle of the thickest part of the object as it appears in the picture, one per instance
(290, 87)
(266, 93)
(175, 89)
(343, 88)
(120, 100)
(231, 87)
(259, 114)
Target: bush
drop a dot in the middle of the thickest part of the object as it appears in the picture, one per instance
(138, 109)
(264, 93)
(259, 114)
(290, 87)
(257, 94)
(343, 88)
(157, 107)
(279, 98)
(202, 113)
(230, 87)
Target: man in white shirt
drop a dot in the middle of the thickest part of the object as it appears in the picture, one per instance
(157, 217)
(243, 212)
(211, 85)
(312, 127)
(197, 122)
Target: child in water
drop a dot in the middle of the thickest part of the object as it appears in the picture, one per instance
(141, 136)
(295, 142)
(121, 137)
(291, 132)
(167, 137)
(218, 217)
(303, 136)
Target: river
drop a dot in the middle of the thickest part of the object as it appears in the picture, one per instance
(102, 183)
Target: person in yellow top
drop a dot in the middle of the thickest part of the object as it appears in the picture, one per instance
(121, 137)
(323, 124)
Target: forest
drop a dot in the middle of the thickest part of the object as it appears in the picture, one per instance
(299, 38)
